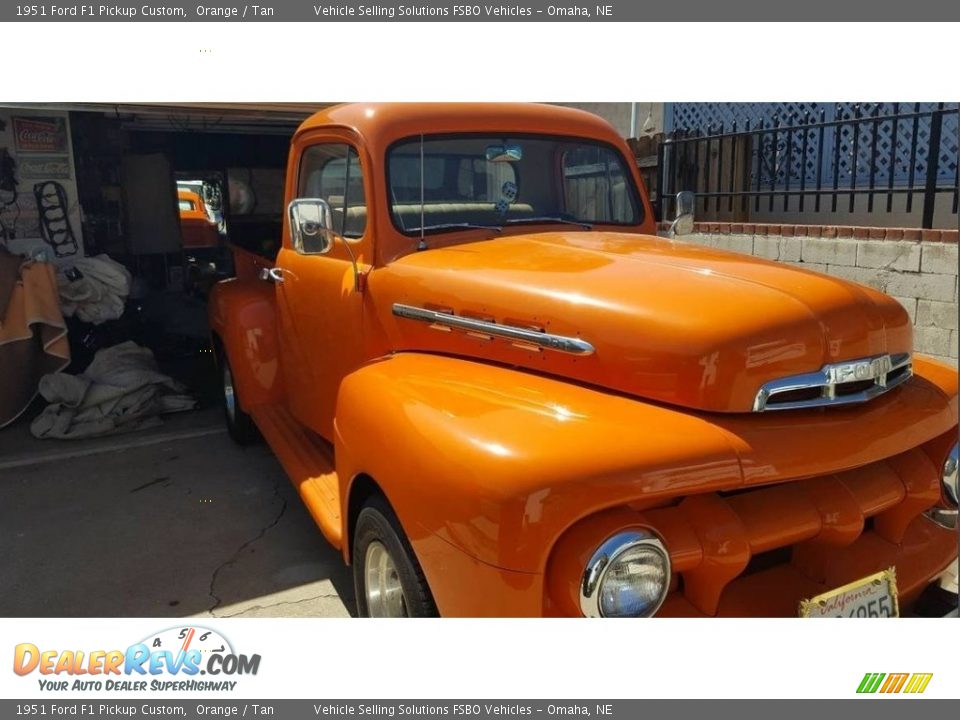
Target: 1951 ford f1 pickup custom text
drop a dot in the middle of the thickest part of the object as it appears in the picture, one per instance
(499, 393)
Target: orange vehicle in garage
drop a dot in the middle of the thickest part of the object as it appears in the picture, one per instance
(197, 230)
(499, 393)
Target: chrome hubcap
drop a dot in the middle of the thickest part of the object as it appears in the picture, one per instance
(229, 399)
(384, 593)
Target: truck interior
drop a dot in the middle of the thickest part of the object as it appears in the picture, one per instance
(493, 180)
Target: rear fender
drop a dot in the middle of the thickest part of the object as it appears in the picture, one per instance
(243, 318)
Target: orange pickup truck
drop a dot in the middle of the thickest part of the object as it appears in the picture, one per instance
(499, 393)
(197, 230)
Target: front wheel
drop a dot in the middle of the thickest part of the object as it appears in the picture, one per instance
(240, 425)
(388, 580)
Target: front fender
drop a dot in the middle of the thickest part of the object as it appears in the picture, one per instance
(242, 314)
(498, 462)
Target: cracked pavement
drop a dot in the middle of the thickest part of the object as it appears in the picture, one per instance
(184, 524)
(233, 559)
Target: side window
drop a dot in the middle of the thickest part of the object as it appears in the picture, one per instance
(331, 171)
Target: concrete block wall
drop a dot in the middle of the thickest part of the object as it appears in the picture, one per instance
(917, 267)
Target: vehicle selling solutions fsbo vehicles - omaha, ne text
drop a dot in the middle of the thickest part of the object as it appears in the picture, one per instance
(499, 393)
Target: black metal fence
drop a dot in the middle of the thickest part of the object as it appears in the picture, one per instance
(816, 164)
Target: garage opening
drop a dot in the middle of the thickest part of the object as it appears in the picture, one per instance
(115, 222)
(136, 208)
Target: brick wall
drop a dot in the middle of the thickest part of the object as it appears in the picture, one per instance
(917, 267)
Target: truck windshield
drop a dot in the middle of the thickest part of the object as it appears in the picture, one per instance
(451, 182)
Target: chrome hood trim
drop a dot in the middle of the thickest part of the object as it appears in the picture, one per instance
(845, 383)
(526, 336)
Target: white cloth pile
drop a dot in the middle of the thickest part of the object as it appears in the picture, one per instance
(121, 390)
(93, 288)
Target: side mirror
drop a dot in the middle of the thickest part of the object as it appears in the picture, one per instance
(311, 226)
(683, 221)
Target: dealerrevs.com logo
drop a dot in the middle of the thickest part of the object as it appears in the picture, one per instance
(173, 659)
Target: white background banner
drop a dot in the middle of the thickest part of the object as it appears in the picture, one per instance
(327, 659)
(449, 659)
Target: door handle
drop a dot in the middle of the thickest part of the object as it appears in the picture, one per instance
(272, 274)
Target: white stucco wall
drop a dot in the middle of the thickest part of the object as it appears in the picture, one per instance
(922, 276)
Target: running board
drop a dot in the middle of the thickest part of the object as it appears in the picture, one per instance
(308, 461)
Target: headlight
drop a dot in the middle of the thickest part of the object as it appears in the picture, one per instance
(945, 514)
(628, 576)
(949, 478)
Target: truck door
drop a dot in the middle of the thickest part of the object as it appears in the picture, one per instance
(320, 312)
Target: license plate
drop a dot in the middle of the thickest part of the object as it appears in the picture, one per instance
(870, 597)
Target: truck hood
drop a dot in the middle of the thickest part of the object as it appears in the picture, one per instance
(668, 321)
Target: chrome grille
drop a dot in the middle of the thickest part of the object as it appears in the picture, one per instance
(845, 383)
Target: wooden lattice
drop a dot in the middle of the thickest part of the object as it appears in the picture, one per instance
(864, 146)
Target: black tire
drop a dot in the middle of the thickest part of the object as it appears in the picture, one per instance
(241, 427)
(377, 523)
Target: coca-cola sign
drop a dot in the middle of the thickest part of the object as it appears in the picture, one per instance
(45, 167)
(40, 134)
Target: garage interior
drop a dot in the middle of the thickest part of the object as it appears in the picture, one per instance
(149, 509)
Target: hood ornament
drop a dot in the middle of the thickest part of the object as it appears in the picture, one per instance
(845, 383)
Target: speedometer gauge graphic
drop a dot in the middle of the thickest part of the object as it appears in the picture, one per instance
(189, 637)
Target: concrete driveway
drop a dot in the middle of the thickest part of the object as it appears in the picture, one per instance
(175, 521)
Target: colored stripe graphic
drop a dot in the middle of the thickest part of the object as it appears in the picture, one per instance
(894, 683)
(918, 682)
(870, 682)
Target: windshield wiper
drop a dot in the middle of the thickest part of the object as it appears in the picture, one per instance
(551, 219)
(455, 226)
